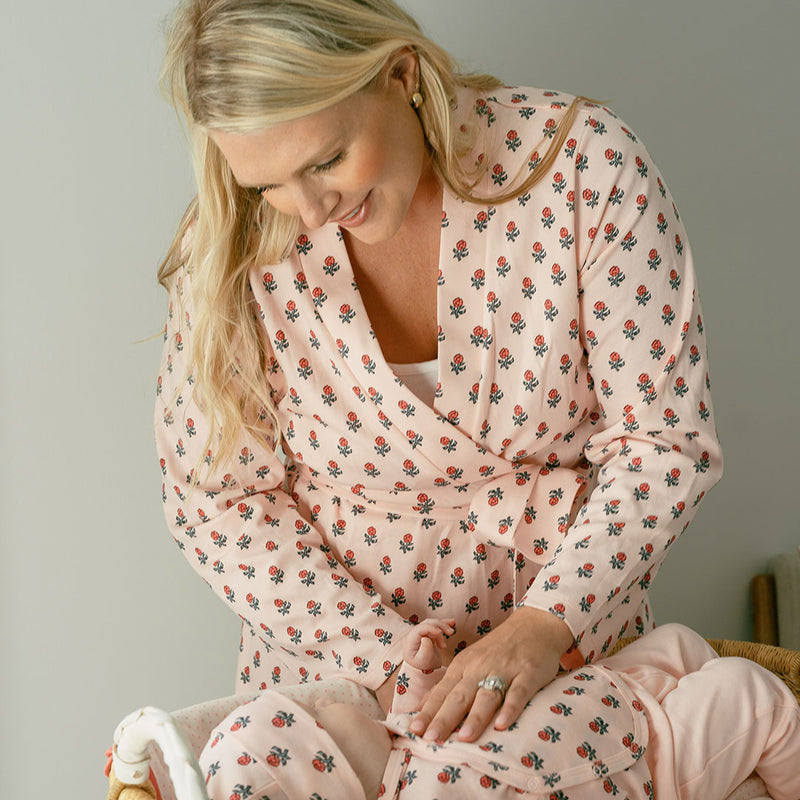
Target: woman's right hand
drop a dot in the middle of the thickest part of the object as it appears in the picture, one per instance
(523, 651)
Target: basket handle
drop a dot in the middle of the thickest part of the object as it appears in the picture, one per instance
(132, 763)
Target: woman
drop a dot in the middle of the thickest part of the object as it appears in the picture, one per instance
(465, 314)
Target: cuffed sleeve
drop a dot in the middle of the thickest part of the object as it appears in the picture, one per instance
(654, 445)
(243, 534)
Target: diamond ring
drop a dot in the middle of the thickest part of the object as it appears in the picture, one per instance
(494, 683)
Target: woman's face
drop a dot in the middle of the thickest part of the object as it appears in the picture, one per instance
(356, 164)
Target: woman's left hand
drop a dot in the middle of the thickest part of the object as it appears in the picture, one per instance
(523, 651)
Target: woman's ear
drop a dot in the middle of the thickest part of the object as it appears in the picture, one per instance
(404, 68)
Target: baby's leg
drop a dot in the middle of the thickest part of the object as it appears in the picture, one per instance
(662, 657)
(365, 743)
(275, 741)
(226, 761)
(729, 718)
(334, 690)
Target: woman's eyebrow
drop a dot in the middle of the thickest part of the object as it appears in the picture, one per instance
(321, 157)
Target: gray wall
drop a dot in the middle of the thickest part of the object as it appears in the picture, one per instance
(94, 179)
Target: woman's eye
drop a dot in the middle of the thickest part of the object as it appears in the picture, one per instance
(319, 168)
(328, 165)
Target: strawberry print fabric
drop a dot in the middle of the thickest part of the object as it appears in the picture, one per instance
(569, 443)
(583, 734)
(274, 749)
(580, 737)
(663, 717)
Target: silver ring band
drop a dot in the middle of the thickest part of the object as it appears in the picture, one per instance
(494, 683)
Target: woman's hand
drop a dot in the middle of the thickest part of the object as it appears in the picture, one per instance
(524, 651)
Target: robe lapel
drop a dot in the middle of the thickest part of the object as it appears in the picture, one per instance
(435, 434)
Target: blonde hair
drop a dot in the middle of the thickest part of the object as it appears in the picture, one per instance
(240, 66)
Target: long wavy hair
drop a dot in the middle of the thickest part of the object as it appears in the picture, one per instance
(241, 66)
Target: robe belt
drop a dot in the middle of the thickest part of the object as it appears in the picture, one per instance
(528, 509)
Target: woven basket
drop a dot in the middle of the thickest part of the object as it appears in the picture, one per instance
(784, 663)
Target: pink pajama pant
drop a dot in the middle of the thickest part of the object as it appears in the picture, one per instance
(712, 720)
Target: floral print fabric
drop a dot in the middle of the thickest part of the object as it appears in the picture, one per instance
(568, 445)
(663, 717)
(581, 736)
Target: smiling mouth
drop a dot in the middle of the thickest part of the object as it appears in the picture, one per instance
(353, 212)
(357, 215)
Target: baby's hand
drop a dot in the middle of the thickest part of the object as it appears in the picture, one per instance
(420, 646)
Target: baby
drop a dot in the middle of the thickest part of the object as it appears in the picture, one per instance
(664, 717)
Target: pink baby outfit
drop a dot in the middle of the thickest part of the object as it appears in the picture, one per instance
(568, 445)
(665, 718)
(272, 749)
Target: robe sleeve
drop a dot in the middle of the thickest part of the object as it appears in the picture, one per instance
(243, 534)
(653, 445)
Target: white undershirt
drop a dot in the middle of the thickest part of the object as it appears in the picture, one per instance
(420, 378)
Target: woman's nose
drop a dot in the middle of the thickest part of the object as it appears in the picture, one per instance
(314, 205)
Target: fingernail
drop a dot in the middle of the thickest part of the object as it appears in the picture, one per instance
(416, 726)
(465, 732)
(431, 735)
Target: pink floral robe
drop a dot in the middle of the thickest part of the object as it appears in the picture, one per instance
(570, 440)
